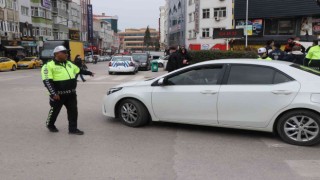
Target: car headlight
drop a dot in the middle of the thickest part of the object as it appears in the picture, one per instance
(144, 64)
(113, 90)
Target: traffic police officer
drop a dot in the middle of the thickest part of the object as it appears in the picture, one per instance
(263, 54)
(313, 57)
(58, 76)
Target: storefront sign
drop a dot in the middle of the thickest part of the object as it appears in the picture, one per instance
(27, 38)
(196, 16)
(90, 22)
(254, 28)
(46, 3)
(28, 43)
(74, 35)
(228, 33)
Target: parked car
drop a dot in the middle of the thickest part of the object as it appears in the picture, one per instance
(123, 64)
(271, 96)
(162, 61)
(30, 63)
(143, 60)
(7, 64)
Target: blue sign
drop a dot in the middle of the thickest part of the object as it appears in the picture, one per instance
(46, 4)
(90, 22)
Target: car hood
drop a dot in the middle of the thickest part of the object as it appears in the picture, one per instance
(135, 83)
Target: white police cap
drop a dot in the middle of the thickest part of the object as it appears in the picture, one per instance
(59, 49)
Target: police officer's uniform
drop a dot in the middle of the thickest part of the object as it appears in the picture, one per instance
(314, 57)
(59, 79)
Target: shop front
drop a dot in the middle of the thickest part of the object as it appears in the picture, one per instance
(30, 46)
(12, 49)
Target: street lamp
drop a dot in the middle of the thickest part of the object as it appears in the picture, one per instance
(246, 30)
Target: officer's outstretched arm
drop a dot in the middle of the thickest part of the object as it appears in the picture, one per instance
(47, 79)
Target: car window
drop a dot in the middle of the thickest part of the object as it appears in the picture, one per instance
(140, 57)
(248, 74)
(121, 59)
(281, 78)
(199, 76)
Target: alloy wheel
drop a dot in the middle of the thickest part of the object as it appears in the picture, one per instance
(129, 113)
(301, 128)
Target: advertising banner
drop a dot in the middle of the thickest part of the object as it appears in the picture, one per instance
(306, 26)
(228, 33)
(254, 28)
(196, 16)
(90, 22)
(316, 26)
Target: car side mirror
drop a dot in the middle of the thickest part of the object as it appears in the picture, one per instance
(161, 82)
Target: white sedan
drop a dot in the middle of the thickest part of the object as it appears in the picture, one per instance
(271, 96)
(123, 64)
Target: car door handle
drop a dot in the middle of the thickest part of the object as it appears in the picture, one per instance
(209, 92)
(285, 92)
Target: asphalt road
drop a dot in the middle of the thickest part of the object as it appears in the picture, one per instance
(110, 150)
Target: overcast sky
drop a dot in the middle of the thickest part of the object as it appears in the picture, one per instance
(131, 13)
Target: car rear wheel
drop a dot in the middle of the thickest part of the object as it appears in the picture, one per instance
(14, 67)
(133, 113)
(300, 127)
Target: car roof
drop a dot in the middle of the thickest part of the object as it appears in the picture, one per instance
(246, 61)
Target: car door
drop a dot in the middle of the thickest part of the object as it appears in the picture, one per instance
(189, 96)
(6, 64)
(252, 94)
(1, 64)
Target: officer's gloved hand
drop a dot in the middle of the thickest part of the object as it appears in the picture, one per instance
(56, 97)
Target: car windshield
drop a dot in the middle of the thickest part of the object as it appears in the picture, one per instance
(27, 59)
(47, 53)
(121, 59)
(306, 69)
(140, 57)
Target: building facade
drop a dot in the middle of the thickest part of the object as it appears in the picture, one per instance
(74, 21)
(176, 22)
(162, 27)
(290, 18)
(27, 38)
(203, 18)
(60, 16)
(133, 39)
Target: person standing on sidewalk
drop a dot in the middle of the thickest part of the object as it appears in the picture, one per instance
(186, 58)
(174, 61)
(58, 76)
(78, 62)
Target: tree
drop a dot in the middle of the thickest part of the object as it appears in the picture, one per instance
(147, 38)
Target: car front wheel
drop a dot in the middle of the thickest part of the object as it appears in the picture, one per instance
(300, 127)
(13, 68)
(133, 113)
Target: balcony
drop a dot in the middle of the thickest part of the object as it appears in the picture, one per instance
(60, 27)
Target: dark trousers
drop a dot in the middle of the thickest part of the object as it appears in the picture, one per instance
(81, 76)
(70, 102)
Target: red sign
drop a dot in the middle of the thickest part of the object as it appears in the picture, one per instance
(229, 33)
(91, 48)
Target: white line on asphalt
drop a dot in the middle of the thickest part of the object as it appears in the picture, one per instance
(119, 78)
(100, 78)
(13, 78)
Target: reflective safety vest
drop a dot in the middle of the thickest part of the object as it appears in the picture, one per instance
(313, 54)
(59, 77)
(58, 71)
(267, 58)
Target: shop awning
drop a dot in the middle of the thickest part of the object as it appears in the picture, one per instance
(13, 47)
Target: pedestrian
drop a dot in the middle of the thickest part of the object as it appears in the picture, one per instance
(78, 62)
(186, 58)
(314, 43)
(277, 53)
(95, 59)
(269, 46)
(58, 76)
(298, 43)
(296, 56)
(174, 61)
(313, 57)
(289, 45)
(262, 52)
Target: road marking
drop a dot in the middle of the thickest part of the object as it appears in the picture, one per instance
(305, 168)
(119, 78)
(275, 143)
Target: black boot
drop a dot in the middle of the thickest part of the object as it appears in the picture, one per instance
(76, 132)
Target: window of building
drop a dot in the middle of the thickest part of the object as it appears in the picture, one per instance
(191, 17)
(9, 4)
(190, 2)
(271, 27)
(35, 11)
(48, 14)
(24, 11)
(287, 26)
(194, 34)
(220, 12)
(190, 34)
(205, 13)
(205, 32)
(15, 5)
